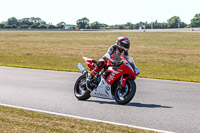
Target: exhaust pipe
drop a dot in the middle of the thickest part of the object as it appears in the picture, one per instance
(83, 71)
(81, 68)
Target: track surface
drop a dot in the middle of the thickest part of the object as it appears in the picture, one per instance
(158, 104)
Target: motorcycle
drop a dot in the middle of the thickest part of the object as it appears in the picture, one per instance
(116, 81)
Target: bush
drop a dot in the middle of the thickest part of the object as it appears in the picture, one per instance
(43, 27)
(34, 26)
(1, 26)
(188, 26)
(10, 26)
(51, 27)
(24, 26)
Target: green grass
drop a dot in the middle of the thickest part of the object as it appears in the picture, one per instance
(21, 121)
(161, 55)
(173, 56)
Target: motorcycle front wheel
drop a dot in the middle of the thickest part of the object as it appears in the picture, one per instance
(126, 94)
(80, 90)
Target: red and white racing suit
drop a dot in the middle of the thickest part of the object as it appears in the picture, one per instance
(112, 52)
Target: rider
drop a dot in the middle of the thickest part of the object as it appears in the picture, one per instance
(120, 48)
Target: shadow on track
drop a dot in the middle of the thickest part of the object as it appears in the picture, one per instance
(147, 105)
(141, 105)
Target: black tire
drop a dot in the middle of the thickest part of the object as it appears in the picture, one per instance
(128, 96)
(81, 93)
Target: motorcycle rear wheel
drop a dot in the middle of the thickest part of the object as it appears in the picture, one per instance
(125, 95)
(81, 92)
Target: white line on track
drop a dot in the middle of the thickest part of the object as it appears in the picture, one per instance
(83, 118)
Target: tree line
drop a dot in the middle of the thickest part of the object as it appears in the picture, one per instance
(84, 23)
(29, 23)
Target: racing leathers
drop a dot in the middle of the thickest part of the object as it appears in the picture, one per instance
(113, 52)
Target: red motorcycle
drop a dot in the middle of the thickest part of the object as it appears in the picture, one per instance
(116, 81)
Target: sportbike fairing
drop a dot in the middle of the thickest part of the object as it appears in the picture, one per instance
(103, 90)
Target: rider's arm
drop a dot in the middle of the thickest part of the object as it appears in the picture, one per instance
(110, 52)
(126, 55)
(137, 71)
(132, 63)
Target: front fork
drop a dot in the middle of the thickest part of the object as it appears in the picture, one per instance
(123, 81)
(123, 89)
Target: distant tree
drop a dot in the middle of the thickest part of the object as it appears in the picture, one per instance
(12, 21)
(10, 26)
(182, 25)
(37, 21)
(195, 22)
(14, 26)
(2, 25)
(83, 23)
(34, 26)
(97, 25)
(4, 22)
(173, 22)
(129, 25)
(121, 27)
(136, 26)
(103, 25)
(50, 26)
(43, 26)
(115, 27)
(25, 26)
(25, 21)
(61, 25)
(164, 26)
(22, 23)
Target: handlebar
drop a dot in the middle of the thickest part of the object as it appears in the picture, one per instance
(114, 62)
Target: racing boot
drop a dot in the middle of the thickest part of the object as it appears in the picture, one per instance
(90, 80)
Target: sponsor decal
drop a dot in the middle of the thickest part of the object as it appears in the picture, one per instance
(112, 76)
(106, 94)
(101, 95)
(107, 89)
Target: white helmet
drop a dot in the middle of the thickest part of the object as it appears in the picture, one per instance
(123, 43)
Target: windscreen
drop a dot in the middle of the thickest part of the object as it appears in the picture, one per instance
(130, 59)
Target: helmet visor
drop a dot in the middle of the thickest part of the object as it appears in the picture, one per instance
(125, 45)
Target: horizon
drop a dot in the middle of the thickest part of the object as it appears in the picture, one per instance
(108, 12)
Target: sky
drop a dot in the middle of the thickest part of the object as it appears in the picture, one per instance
(110, 12)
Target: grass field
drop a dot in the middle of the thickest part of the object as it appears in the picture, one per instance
(20, 121)
(161, 55)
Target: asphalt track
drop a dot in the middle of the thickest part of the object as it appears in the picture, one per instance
(158, 104)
